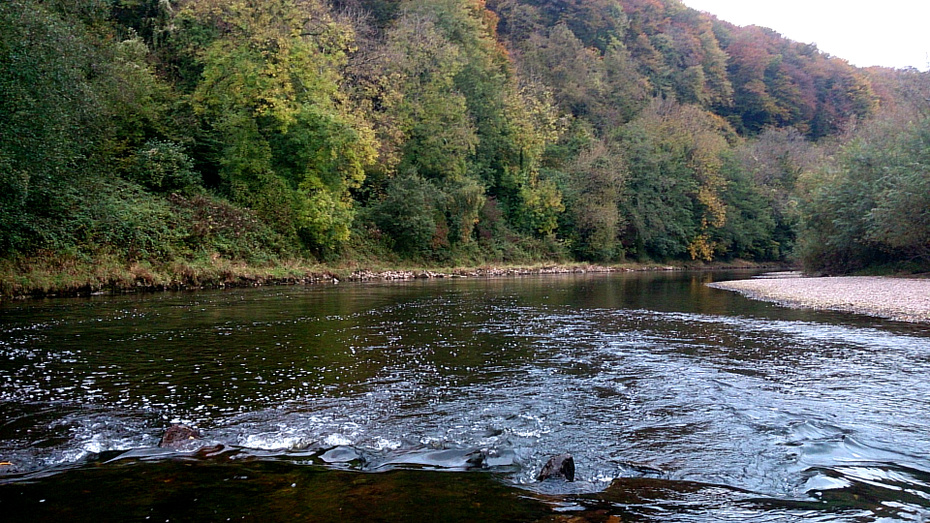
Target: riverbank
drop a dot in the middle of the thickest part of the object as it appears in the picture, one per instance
(902, 299)
(53, 276)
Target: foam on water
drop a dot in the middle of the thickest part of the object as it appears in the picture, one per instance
(274, 441)
(337, 440)
(785, 407)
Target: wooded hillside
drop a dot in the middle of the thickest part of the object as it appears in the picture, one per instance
(448, 131)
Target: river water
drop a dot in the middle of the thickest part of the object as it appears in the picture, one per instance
(441, 400)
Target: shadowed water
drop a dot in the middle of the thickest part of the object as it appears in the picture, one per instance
(678, 403)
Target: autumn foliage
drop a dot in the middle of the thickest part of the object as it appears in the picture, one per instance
(437, 131)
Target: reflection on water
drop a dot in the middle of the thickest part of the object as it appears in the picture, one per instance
(678, 402)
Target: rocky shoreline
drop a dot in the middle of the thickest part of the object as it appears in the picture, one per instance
(487, 272)
(103, 279)
(901, 299)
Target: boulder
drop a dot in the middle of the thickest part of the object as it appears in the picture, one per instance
(558, 467)
(177, 436)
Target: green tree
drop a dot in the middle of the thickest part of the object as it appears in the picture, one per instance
(751, 229)
(776, 162)
(595, 186)
(292, 144)
(674, 203)
(422, 216)
(438, 136)
(51, 119)
(464, 123)
(658, 207)
(163, 167)
(835, 236)
(869, 208)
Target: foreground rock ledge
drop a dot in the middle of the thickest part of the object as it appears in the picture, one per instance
(902, 299)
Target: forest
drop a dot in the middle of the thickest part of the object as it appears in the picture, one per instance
(165, 134)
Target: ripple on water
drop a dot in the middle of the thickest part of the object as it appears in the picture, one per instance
(788, 409)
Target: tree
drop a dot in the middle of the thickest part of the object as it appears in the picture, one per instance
(73, 105)
(292, 144)
(751, 230)
(674, 205)
(603, 89)
(776, 161)
(594, 189)
(865, 209)
(408, 213)
(597, 23)
(432, 114)
(658, 206)
(778, 82)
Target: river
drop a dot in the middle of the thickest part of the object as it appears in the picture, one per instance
(441, 400)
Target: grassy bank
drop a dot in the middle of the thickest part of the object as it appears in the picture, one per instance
(71, 275)
(77, 275)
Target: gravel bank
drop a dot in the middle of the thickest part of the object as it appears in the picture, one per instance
(904, 299)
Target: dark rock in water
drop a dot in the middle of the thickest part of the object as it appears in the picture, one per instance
(177, 436)
(558, 467)
(476, 458)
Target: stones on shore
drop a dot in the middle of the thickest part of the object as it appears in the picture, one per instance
(558, 467)
(489, 272)
(178, 437)
(397, 275)
(901, 299)
(778, 275)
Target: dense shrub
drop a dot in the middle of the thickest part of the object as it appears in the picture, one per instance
(163, 166)
(408, 213)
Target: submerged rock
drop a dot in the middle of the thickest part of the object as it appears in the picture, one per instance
(558, 467)
(178, 436)
(342, 454)
(452, 459)
(8, 467)
(500, 458)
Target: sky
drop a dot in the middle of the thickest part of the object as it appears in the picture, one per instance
(890, 33)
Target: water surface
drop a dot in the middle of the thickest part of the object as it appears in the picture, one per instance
(677, 401)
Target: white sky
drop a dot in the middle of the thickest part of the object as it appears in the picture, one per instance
(891, 33)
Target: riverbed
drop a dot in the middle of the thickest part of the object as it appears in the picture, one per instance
(441, 400)
(903, 299)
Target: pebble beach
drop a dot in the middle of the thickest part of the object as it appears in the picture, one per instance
(902, 299)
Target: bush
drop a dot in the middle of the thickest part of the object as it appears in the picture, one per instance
(163, 166)
(122, 218)
(215, 226)
(408, 213)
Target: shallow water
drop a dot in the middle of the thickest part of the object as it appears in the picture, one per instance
(677, 401)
